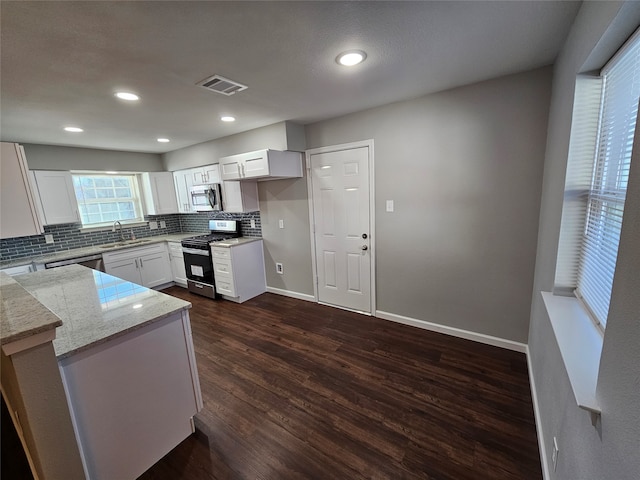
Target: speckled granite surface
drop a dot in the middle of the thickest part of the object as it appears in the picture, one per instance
(94, 307)
(93, 250)
(235, 241)
(21, 315)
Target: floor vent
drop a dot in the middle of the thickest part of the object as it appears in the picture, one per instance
(222, 85)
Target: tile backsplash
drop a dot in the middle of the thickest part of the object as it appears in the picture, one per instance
(199, 222)
(67, 237)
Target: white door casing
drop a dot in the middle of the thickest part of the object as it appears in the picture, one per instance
(341, 186)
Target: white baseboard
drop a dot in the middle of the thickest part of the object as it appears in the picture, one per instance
(546, 475)
(455, 332)
(289, 293)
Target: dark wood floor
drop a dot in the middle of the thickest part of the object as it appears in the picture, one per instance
(296, 390)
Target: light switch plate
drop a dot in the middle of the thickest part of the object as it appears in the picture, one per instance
(48, 238)
(163, 224)
(153, 225)
(389, 205)
(281, 223)
(253, 223)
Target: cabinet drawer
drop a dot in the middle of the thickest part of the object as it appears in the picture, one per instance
(225, 287)
(220, 252)
(175, 249)
(222, 267)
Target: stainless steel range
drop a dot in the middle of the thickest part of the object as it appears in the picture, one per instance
(197, 256)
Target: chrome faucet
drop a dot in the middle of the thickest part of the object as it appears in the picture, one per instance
(115, 229)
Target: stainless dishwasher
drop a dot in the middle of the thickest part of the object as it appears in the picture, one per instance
(92, 261)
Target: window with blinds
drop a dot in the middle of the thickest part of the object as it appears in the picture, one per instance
(605, 115)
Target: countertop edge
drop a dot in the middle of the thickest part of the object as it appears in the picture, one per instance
(47, 319)
(61, 255)
(234, 242)
(121, 333)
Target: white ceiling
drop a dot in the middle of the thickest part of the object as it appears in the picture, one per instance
(61, 62)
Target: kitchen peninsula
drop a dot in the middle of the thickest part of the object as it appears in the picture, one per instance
(98, 373)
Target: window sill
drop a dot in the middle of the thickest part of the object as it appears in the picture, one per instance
(580, 344)
(103, 228)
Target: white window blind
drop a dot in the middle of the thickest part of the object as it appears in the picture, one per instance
(605, 202)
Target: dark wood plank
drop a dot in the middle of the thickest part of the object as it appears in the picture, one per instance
(296, 390)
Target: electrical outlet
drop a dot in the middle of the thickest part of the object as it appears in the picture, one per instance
(163, 224)
(554, 454)
(281, 223)
(279, 268)
(48, 238)
(253, 223)
(153, 225)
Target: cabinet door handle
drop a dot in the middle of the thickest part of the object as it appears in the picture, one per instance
(141, 265)
(137, 263)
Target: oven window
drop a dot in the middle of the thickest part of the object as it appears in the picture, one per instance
(199, 268)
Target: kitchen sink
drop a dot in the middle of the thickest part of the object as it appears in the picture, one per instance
(125, 243)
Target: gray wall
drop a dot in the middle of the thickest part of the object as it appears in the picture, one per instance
(279, 136)
(291, 246)
(53, 157)
(612, 449)
(464, 168)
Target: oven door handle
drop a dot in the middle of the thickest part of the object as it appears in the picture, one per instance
(194, 251)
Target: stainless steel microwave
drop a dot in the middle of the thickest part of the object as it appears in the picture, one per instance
(206, 198)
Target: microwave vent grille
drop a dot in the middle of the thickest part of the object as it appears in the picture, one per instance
(219, 84)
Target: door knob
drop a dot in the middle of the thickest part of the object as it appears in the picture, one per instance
(364, 247)
(364, 235)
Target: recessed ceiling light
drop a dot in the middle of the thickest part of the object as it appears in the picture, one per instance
(228, 119)
(73, 129)
(351, 58)
(164, 140)
(131, 97)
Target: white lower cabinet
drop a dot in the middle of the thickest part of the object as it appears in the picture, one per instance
(177, 263)
(148, 266)
(239, 271)
(135, 393)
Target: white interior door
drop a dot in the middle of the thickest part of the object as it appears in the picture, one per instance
(341, 211)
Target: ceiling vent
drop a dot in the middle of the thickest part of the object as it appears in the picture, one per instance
(221, 85)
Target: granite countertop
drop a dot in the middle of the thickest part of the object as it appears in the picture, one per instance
(21, 315)
(94, 307)
(94, 249)
(232, 242)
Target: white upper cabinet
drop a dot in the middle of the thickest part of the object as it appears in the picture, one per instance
(159, 193)
(18, 212)
(261, 165)
(206, 174)
(240, 197)
(236, 198)
(185, 179)
(57, 197)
